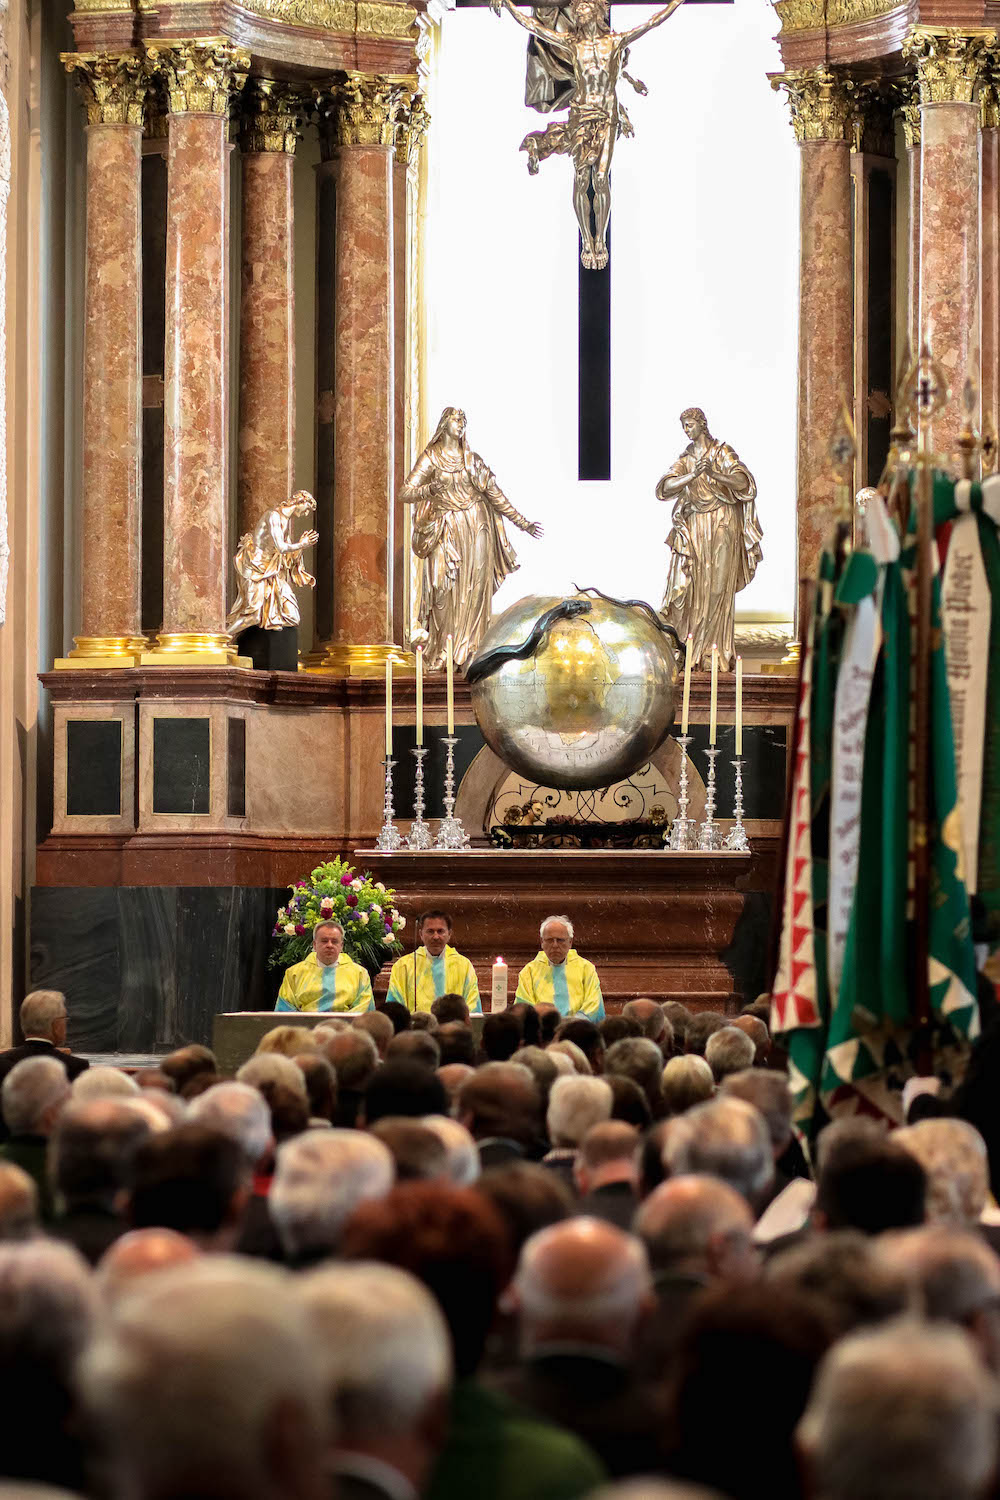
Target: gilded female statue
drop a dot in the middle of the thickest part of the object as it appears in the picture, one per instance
(714, 541)
(460, 538)
(268, 565)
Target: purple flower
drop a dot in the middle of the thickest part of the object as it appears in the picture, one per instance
(388, 929)
(346, 878)
(351, 900)
(299, 929)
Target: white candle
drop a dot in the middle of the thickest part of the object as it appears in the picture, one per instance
(420, 695)
(714, 710)
(739, 705)
(499, 992)
(687, 687)
(388, 707)
(450, 662)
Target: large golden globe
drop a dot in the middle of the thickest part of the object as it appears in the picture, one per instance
(590, 706)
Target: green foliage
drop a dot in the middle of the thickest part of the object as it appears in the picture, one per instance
(334, 892)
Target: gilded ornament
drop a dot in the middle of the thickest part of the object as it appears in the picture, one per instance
(412, 125)
(593, 59)
(989, 105)
(200, 76)
(113, 88)
(714, 540)
(821, 103)
(949, 63)
(820, 15)
(801, 15)
(269, 565)
(272, 118)
(874, 126)
(909, 114)
(366, 111)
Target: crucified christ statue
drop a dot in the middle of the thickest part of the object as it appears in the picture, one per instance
(597, 57)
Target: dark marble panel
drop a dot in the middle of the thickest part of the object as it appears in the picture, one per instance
(764, 751)
(747, 955)
(236, 767)
(94, 768)
(144, 968)
(404, 739)
(182, 765)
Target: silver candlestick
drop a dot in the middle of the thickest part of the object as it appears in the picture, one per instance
(682, 829)
(420, 834)
(736, 838)
(709, 837)
(389, 840)
(451, 834)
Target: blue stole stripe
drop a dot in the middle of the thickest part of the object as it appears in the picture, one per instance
(560, 989)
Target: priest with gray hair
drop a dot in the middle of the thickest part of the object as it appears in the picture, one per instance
(559, 976)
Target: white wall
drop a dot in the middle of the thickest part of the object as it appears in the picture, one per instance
(704, 291)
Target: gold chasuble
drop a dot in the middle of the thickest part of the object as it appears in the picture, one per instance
(310, 985)
(448, 974)
(572, 987)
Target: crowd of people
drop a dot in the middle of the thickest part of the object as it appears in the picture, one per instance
(409, 1255)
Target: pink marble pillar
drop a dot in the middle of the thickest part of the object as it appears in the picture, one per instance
(948, 72)
(199, 77)
(266, 443)
(111, 631)
(911, 133)
(399, 564)
(990, 258)
(364, 399)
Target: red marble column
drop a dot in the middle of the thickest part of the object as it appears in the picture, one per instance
(199, 78)
(411, 129)
(821, 116)
(364, 397)
(266, 443)
(111, 617)
(948, 72)
(990, 258)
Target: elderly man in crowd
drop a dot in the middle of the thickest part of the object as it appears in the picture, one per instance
(388, 1370)
(327, 979)
(639, 1058)
(43, 1019)
(727, 1139)
(18, 1204)
(728, 1050)
(500, 1107)
(31, 1097)
(606, 1173)
(434, 969)
(956, 1278)
(559, 976)
(575, 1104)
(90, 1163)
(319, 1180)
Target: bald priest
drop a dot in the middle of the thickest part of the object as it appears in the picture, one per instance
(559, 976)
(434, 969)
(327, 979)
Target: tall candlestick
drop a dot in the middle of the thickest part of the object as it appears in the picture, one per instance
(714, 711)
(498, 994)
(450, 662)
(388, 706)
(420, 696)
(739, 705)
(687, 687)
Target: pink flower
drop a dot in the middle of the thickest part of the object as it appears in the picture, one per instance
(299, 929)
(301, 884)
(351, 900)
(346, 878)
(326, 905)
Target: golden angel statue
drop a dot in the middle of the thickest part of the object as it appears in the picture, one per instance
(461, 541)
(596, 56)
(268, 566)
(715, 541)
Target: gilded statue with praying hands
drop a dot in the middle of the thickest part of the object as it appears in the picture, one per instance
(714, 541)
(460, 541)
(268, 566)
(596, 55)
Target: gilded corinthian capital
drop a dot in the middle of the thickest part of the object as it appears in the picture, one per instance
(112, 88)
(412, 124)
(367, 109)
(272, 117)
(200, 77)
(820, 102)
(949, 63)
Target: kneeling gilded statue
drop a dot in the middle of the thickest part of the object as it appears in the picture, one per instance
(714, 541)
(268, 566)
(461, 541)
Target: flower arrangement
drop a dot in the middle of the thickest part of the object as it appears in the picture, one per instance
(363, 907)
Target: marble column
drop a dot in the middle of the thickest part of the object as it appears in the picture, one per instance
(410, 131)
(113, 90)
(822, 119)
(989, 221)
(910, 116)
(200, 79)
(364, 394)
(266, 441)
(949, 68)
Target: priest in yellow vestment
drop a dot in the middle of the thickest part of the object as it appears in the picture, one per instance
(559, 976)
(327, 979)
(434, 969)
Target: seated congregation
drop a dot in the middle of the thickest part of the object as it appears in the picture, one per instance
(399, 1258)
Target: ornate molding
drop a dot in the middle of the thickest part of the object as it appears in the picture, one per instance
(412, 124)
(950, 63)
(200, 76)
(272, 119)
(113, 88)
(820, 101)
(909, 114)
(381, 18)
(366, 111)
(819, 15)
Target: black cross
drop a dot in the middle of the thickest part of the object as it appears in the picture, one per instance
(594, 339)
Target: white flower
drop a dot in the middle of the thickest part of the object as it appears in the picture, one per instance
(290, 928)
(376, 908)
(400, 924)
(363, 918)
(380, 887)
(357, 885)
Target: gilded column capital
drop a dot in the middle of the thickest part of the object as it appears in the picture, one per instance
(873, 124)
(113, 88)
(367, 109)
(909, 114)
(412, 124)
(200, 76)
(821, 103)
(272, 117)
(950, 63)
